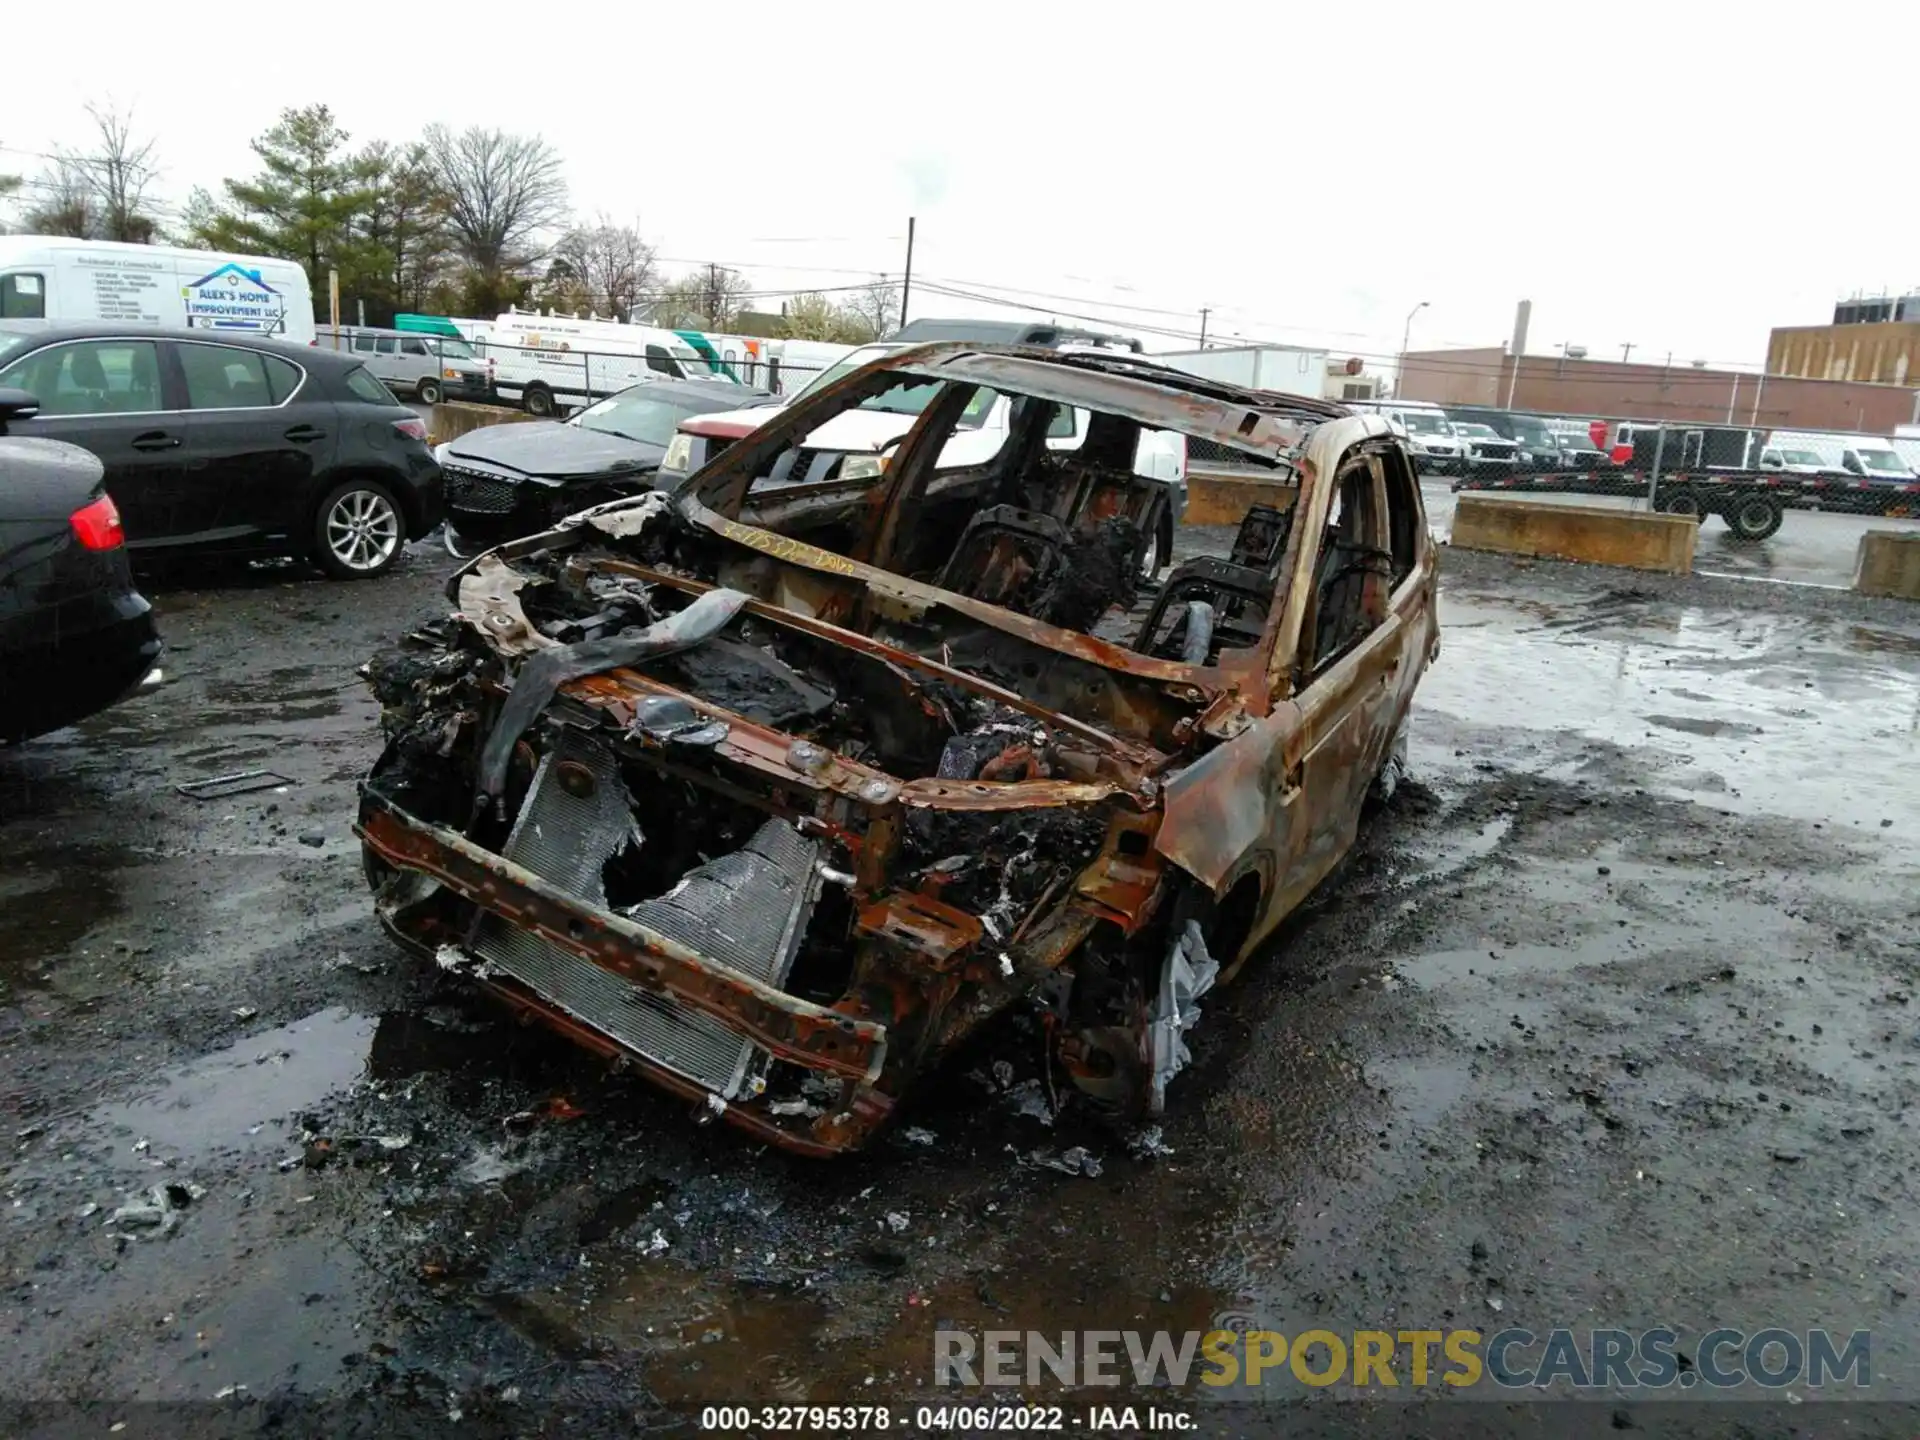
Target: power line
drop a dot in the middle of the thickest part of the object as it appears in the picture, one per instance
(1489, 369)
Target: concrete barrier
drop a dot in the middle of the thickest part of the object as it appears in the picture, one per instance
(454, 418)
(1630, 538)
(1222, 495)
(1888, 563)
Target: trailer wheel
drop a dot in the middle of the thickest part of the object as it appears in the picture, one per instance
(1680, 502)
(1754, 518)
(537, 400)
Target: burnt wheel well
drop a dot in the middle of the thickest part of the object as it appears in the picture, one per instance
(1233, 919)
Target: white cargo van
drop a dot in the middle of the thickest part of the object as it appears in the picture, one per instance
(54, 280)
(549, 363)
(1865, 457)
(427, 368)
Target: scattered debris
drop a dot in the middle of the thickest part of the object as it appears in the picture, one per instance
(245, 1012)
(342, 961)
(1075, 1161)
(1149, 1143)
(1030, 1098)
(918, 1135)
(898, 1221)
(155, 1209)
(241, 782)
(658, 1244)
(554, 1107)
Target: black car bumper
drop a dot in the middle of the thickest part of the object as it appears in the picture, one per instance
(98, 655)
(486, 510)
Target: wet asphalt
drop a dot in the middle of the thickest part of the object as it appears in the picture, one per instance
(1609, 1021)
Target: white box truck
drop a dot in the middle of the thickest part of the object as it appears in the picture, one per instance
(1292, 369)
(52, 280)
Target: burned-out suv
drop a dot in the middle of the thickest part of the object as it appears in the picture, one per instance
(780, 822)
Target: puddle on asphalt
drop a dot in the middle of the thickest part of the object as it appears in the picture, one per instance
(232, 1099)
(1792, 702)
(63, 895)
(1454, 852)
(1694, 725)
(1883, 642)
(240, 1097)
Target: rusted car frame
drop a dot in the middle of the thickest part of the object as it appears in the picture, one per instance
(778, 813)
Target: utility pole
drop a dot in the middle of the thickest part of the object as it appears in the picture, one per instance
(1400, 370)
(1204, 312)
(906, 284)
(1625, 351)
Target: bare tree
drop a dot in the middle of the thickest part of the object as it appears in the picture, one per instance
(875, 309)
(62, 203)
(120, 171)
(500, 191)
(810, 316)
(601, 267)
(706, 299)
(100, 195)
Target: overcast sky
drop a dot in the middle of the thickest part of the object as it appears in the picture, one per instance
(1682, 176)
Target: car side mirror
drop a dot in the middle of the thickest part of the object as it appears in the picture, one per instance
(16, 405)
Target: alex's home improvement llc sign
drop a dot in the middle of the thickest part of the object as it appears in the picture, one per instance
(233, 298)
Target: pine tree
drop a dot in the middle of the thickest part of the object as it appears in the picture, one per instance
(303, 205)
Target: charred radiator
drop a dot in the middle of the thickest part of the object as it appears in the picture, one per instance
(747, 909)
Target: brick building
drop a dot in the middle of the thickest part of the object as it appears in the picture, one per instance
(1556, 385)
(1876, 340)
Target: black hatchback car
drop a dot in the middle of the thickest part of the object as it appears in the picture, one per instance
(220, 442)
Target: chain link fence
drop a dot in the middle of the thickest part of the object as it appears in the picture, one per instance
(1680, 467)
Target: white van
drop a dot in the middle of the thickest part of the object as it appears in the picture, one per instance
(427, 368)
(54, 280)
(549, 363)
(1865, 457)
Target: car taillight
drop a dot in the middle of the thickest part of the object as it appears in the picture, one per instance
(98, 525)
(414, 428)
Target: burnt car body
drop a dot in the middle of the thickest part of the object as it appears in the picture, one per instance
(779, 822)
